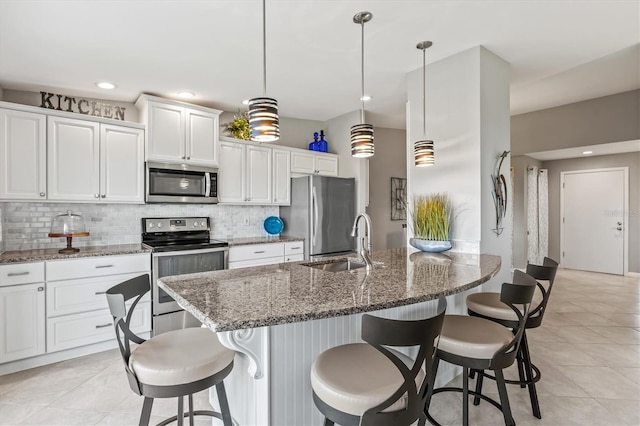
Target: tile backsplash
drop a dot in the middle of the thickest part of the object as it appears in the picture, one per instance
(24, 226)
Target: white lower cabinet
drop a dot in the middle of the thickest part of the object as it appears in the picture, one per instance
(21, 321)
(265, 254)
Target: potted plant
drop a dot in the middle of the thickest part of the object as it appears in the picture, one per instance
(239, 126)
(432, 217)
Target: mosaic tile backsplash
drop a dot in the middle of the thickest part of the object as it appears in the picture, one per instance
(24, 226)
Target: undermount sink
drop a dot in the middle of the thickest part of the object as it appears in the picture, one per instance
(341, 265)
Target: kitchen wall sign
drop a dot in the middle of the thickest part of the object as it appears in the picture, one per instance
(81, 106)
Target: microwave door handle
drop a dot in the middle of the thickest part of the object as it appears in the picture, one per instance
(207, 185)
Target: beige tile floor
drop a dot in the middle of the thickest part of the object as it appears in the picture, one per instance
(588, 350)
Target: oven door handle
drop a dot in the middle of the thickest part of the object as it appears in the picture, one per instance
(207, 184)
(188, 252)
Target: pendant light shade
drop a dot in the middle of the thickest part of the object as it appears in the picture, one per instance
(264, 124)
(423, 152)
(362, 134)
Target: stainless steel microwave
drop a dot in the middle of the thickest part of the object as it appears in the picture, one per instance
(181, 183)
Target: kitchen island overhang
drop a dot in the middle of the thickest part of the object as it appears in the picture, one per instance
(280, 317)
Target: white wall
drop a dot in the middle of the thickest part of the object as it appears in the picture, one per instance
(468, 120)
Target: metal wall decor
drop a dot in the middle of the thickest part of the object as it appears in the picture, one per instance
(81, 106)
(499, 193)
(398, 198)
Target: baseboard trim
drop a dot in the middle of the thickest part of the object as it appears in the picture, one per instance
(633, 274)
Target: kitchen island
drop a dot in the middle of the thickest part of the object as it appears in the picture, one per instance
(280, 317)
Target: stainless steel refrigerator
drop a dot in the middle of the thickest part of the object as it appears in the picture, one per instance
(322, 212)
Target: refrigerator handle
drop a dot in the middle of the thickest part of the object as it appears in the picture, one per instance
(314, 218)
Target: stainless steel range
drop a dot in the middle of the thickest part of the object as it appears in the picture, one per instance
(180, 245)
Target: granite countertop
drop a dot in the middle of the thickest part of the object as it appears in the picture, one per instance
(291, 292)
(52, 254)
(243, 241)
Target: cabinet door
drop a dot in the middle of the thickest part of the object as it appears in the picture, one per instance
(165, 132)
(281, 176)
(326, 165)
(73, 159)
(303, 163)
(232, 172)
(23, 155)
(22, 321)
(259, 175)
(202, 138)
(121, 164)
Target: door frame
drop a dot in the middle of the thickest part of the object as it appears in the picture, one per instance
(625, 210)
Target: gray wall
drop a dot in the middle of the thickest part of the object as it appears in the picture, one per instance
(520, 163)
(631, 160)
(607, 119)
(389, 161)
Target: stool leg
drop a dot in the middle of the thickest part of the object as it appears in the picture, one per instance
(180, 411)
(432, 381)
(328, 422)
(533, 394)
(472, 373)
(476, 399)
(520, 363)
(465, 396)
(224, 404)
(190, 409)
(146, 411)
(504, 399)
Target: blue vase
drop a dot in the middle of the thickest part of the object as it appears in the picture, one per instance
(430, 246)
(315, 145)
(324, 146)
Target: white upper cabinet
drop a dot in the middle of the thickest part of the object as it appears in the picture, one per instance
(259, 175)
(23, 155)
(93, 162)
(121, 164)
(310, 162)
(73, 159)
(281, 185)
(232, 175)
(178, 132)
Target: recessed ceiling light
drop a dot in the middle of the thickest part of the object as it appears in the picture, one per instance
(587, 152)
(106, 85)
(185, 94)
(245, 102)
(365, 98)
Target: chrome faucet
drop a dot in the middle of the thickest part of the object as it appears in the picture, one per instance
(365, 250)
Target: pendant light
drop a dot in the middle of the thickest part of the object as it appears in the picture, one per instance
(423, 149)
(362, 134)
(263, 111)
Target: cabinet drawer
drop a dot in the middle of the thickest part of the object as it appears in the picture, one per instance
(255, 262)
(294, 258)
(71, 331)
(256, 251)
(295, 247)
(82, 295)
(97, 266)
(21, 273)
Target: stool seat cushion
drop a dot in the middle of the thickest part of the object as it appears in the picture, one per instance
(355, 377)
(179, 357)
(473, 337)
(489, 305)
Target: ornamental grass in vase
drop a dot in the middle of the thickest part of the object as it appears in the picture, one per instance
(432, 217)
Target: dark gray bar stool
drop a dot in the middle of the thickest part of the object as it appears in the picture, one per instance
(480, 344)
(488, 305)
(173, 364)
(373, 384)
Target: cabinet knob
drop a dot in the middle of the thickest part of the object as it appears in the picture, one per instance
(189, 158)
(184, 157)
(97, 195)
(42, 194)
(104, 195)
(40, 288)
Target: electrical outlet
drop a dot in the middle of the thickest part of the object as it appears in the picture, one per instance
(246, 221)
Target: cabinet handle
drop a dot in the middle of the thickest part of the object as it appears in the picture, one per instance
(17, 274)
(104, 266)
(97, 195)
(257, 252)
(100, 292)
(104, 325)
(295, 248)
(104, 195)
(40, 288)
(42, 194)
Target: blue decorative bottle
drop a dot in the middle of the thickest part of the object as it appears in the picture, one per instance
(324, 147)
(315, 145)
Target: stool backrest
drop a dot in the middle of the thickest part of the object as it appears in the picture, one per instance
(117, 296)
(381, 332)
(519, 293)
(545, 272)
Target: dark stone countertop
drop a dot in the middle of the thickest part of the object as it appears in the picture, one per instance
(291, 292)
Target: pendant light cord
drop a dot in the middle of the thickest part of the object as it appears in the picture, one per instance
(362, 75)
(264, 48)
(424, 94)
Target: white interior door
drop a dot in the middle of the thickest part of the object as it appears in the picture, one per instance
(593, 220)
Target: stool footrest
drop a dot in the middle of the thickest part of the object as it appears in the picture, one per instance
(195, 413)
(460, 390)
(537, 375)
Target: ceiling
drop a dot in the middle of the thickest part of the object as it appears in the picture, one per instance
(561, 51)
(576, 152)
